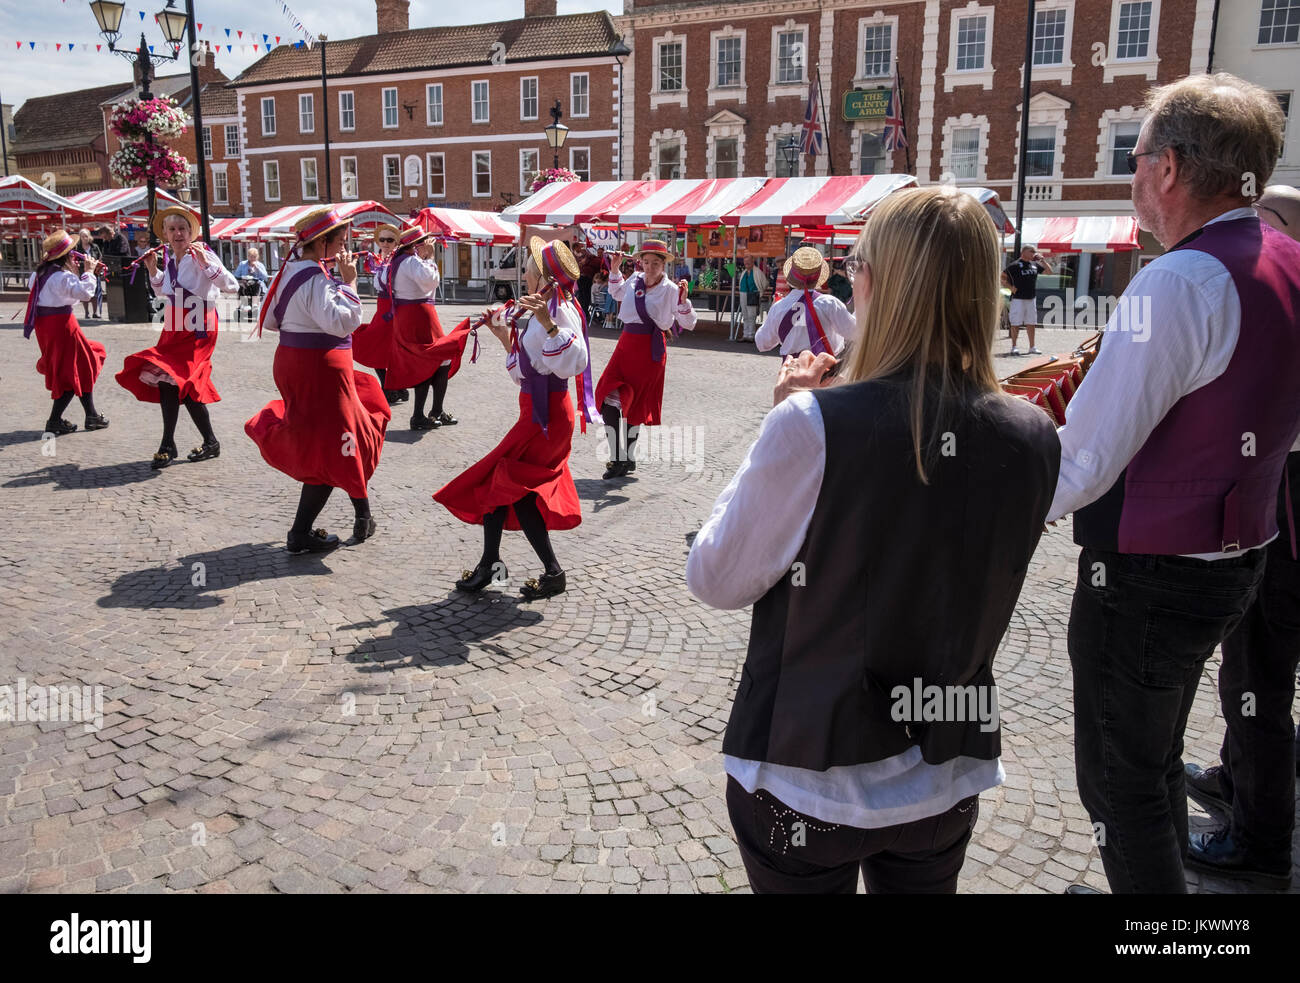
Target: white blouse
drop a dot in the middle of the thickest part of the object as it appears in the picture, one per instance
(416, 278)
(322, 305)
(837, 321)
(64, 288)
(661, 301)
(564, 354)
(207, 282)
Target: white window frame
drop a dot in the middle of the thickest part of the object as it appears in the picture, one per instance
(523, 97)
(1064, 72)
(1045, 109)
(207, 143)
(965, 122)
(473, 101)
(192, 181)
(384, 175)
(429, 104)
(661, 97)
(306, 108)
(266, 180)
(343, 179)
(225, 176)
(353, 110)
(1125, 114)
(302, 175)
(587, 151)
(473, 173)
(875, 128)
(777, 135)
(1267, 45)
(524, 180)
(428, 173)
(263, 106)
(573, 96)
(666, 136)
(878, 19)
(982, 77)
(383, 108)
(233, 150)
(776, 89)
(1286, 119)
(731, 93)
(1147, 67)
(726, 125)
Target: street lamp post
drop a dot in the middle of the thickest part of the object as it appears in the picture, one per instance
(620, 51)
(108, 14)
(557, 132)
(790, 151)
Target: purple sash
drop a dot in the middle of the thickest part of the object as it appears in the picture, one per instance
(172, 275)
(49, 311)
(646, 325)
(392, 288)
(34, 310)
(313, 339)
(398, 302)
(538, 385)
(292, 287)
(586, 393)
(812, 323)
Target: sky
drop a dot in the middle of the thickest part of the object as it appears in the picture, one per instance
(25, 73)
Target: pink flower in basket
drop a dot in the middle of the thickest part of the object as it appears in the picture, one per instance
(550, 176)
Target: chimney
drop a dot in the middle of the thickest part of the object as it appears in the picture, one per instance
(393, 15)
(539, 8)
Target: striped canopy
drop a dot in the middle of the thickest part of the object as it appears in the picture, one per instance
(122, 204)
(279, 224)
(462, 224)
(1080, 233)
(816, 202)
(22, 197)
(679, 202)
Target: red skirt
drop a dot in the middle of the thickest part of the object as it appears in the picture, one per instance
(69, 360)
(419, 346)
(527, 460)
(372, 342)
(328, 429)
(183, 355)
(637, 378)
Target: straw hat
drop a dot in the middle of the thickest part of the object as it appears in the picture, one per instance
(554, 260)
(317, 223)
(56, 245)
(807, 269)
(166, 213)
(655, 247)
(409, 236)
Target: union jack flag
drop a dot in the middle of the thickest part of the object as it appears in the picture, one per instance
(895, 135)
(812, 140)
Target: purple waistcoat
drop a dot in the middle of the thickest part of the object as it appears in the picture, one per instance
(1206, 480)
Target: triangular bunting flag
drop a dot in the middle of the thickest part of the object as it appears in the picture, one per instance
(151, 49)
(142, 15)
(200, 27)
(19, 44)
(227, 47)
(241, 34)
(58, 47)
(227, 32)
(277, 39)
(98, 47)
(71, 45)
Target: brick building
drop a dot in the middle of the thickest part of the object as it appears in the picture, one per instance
(442, 115)
(59, 139)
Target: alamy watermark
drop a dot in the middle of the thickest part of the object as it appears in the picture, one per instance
(68, 703)
(920, 703)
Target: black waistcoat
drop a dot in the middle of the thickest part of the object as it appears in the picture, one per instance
(899, 580)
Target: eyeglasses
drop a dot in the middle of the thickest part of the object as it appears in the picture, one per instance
(1132, 159)
(1269, 208)
(386, 242)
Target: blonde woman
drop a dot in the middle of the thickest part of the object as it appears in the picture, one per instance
(901, 504)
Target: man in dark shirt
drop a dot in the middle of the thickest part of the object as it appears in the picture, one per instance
(114, 241)
(1022, 277)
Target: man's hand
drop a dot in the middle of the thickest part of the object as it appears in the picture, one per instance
(347, 268)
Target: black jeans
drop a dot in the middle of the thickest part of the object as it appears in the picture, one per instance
(1141, 628)
(1256, 690)
(786, 852)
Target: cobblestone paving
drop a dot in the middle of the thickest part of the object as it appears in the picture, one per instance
(352, 723)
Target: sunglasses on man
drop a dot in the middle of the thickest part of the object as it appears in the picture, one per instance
(1132, 159)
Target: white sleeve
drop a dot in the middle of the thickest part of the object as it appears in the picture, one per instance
(157, 279)
(617, 285)
(217, 273)
(840, 318)
(1144, 367)
(684, 313)
(761, 519)
(768, 335)
(335, 308)
(424, 274)
(68, 288)
(565, 353)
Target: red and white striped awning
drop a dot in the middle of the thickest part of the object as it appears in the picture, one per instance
(122, 204)
(816, 202)
(461, 223)
(225, 228)
(1080, 233)
(279, 224)
(989, 199)
(668, 203)
(20, 196)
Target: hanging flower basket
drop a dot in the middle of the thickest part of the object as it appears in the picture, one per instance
(136, 118)
(550, 176)
(135, 163)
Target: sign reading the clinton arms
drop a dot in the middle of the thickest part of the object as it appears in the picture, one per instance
(866, 104)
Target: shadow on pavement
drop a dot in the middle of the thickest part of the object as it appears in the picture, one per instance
(75, 476)
(598, 491)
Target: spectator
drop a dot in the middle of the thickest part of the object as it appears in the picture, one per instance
(88, 247)
(116, 242)
(753, 284)
(1023, 277)
(839, 286)
(251, 267)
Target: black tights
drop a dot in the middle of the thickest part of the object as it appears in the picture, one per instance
(60, 403)
(313, 500)
(438, 382)
(169, 400)
(530, 521)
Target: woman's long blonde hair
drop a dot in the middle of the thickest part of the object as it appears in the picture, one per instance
(934, 259)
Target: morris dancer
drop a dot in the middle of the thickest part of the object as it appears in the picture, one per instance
(69, 361)
(524, 482)
(416, 358)
(806, 319)
(371, 343)
(327, 430)
(179, 368)
(632, 386)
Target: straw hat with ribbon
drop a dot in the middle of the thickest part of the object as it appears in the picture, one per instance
(555, 261)
(309, 228)
(184, 213)
(807, 269)
(410, 236)
(654, 247)
(56, 245)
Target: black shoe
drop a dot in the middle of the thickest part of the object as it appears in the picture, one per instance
(316, 541)
(363, 529)
(1205, 787)
(422, 422)
(629, 466)
(547, 585)
(206, 450)
(473, 581)
(395, 396)
(97, 422)
(1082, 889)
(446, 420)
(615, 469)
(60, 427)
(1219, 853)
(164, 457)
(403, 395)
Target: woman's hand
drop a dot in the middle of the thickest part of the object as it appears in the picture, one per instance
(346, 265)
(535, 305)
(151, 262)
(807, 371)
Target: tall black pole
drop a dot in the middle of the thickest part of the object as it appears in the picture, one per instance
(198, 121)
(4, 143)
(145, 65)
(826, 126)
(325, 116)
(1024, 124)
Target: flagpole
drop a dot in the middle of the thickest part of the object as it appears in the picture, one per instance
(826, 126)
(902, 114)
